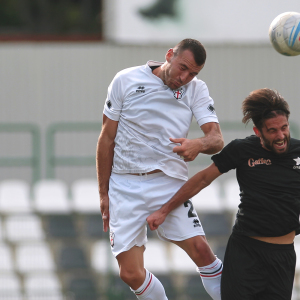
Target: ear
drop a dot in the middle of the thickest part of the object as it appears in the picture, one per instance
(257, 132)
(169, 55)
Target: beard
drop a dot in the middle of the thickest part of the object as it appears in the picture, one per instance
(269, 144)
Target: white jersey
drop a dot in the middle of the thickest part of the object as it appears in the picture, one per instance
(149, 113)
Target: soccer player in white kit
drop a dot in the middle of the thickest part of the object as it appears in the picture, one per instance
(142, 156)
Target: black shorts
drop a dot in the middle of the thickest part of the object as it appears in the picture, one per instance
(255, 270)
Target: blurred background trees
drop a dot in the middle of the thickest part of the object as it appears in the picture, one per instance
(50, 18)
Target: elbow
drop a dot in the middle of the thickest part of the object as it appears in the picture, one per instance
(221, 143)
(218, 145)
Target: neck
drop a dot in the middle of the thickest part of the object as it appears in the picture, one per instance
(157, 71)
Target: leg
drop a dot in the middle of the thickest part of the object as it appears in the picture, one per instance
(144, 284)
(198, 250)
(128, 232)
(281, 272)
(209, 267)
(245, 274)
(183, 227)
(131, 264)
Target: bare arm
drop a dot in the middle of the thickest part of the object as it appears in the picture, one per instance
(192, 187)
(104, 161)
(211, 143)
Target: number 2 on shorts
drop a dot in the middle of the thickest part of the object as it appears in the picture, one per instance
(190, 213)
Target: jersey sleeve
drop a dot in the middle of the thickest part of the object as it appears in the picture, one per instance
(203, 106)
(114, 100)
(228, 158)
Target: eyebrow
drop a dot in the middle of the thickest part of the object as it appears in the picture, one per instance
(184, 65)
(272, 128)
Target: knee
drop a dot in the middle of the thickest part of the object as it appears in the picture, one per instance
(200, 250)
(134, 278)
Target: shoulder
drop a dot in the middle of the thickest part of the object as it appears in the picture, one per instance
(197, 89)
(129, 71)
(295, 142)
(244, 143)
(197, 84)
(250, 140)
(126, 77)
(294, 145)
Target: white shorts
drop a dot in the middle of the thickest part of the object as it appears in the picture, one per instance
(132, 198)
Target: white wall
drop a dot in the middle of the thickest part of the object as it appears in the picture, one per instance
(214, 21)
(44, 83)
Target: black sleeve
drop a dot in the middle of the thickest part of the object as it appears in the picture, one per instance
(228, 158)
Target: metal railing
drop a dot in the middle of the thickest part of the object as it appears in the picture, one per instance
(53, 160)
(34, 160)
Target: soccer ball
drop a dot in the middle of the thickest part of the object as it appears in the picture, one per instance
(284, 33)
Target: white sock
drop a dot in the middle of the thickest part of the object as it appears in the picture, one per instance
(151, 289)
(211, 278)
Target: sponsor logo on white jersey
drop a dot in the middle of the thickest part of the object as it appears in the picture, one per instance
(140, 89)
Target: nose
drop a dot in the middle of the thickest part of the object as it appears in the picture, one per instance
(281, 135)
(184, 76)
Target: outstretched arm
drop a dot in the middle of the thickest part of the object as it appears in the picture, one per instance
(192, 187)
(211, 143)
(104, 160)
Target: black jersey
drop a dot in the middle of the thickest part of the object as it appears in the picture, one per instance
(269, 186)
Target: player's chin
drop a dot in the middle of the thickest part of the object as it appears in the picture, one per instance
(174, 85)
(281, 150)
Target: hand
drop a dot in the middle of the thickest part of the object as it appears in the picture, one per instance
(104, 206)
(155, 219)
(188, 149)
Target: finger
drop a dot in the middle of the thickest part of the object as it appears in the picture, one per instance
(105, 222)
(150, 223)
(180, 140)
(152, 226)
(178, 150)
(105, 226)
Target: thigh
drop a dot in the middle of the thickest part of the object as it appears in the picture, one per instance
(132, 260)
(183, 222)
(128, 213)
(281, 264)
(198, 250)
(131, 264)
(243, 275)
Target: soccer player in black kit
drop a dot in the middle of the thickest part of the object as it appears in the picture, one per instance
(260, 259)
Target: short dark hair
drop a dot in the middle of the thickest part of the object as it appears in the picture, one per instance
(195, 47)
(264, 104)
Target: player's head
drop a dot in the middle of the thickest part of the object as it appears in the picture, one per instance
(183, 63)
(269, 113)
(193, 46)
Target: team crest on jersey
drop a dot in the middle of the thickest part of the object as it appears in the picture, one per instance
(178, 93)
(112, 238)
